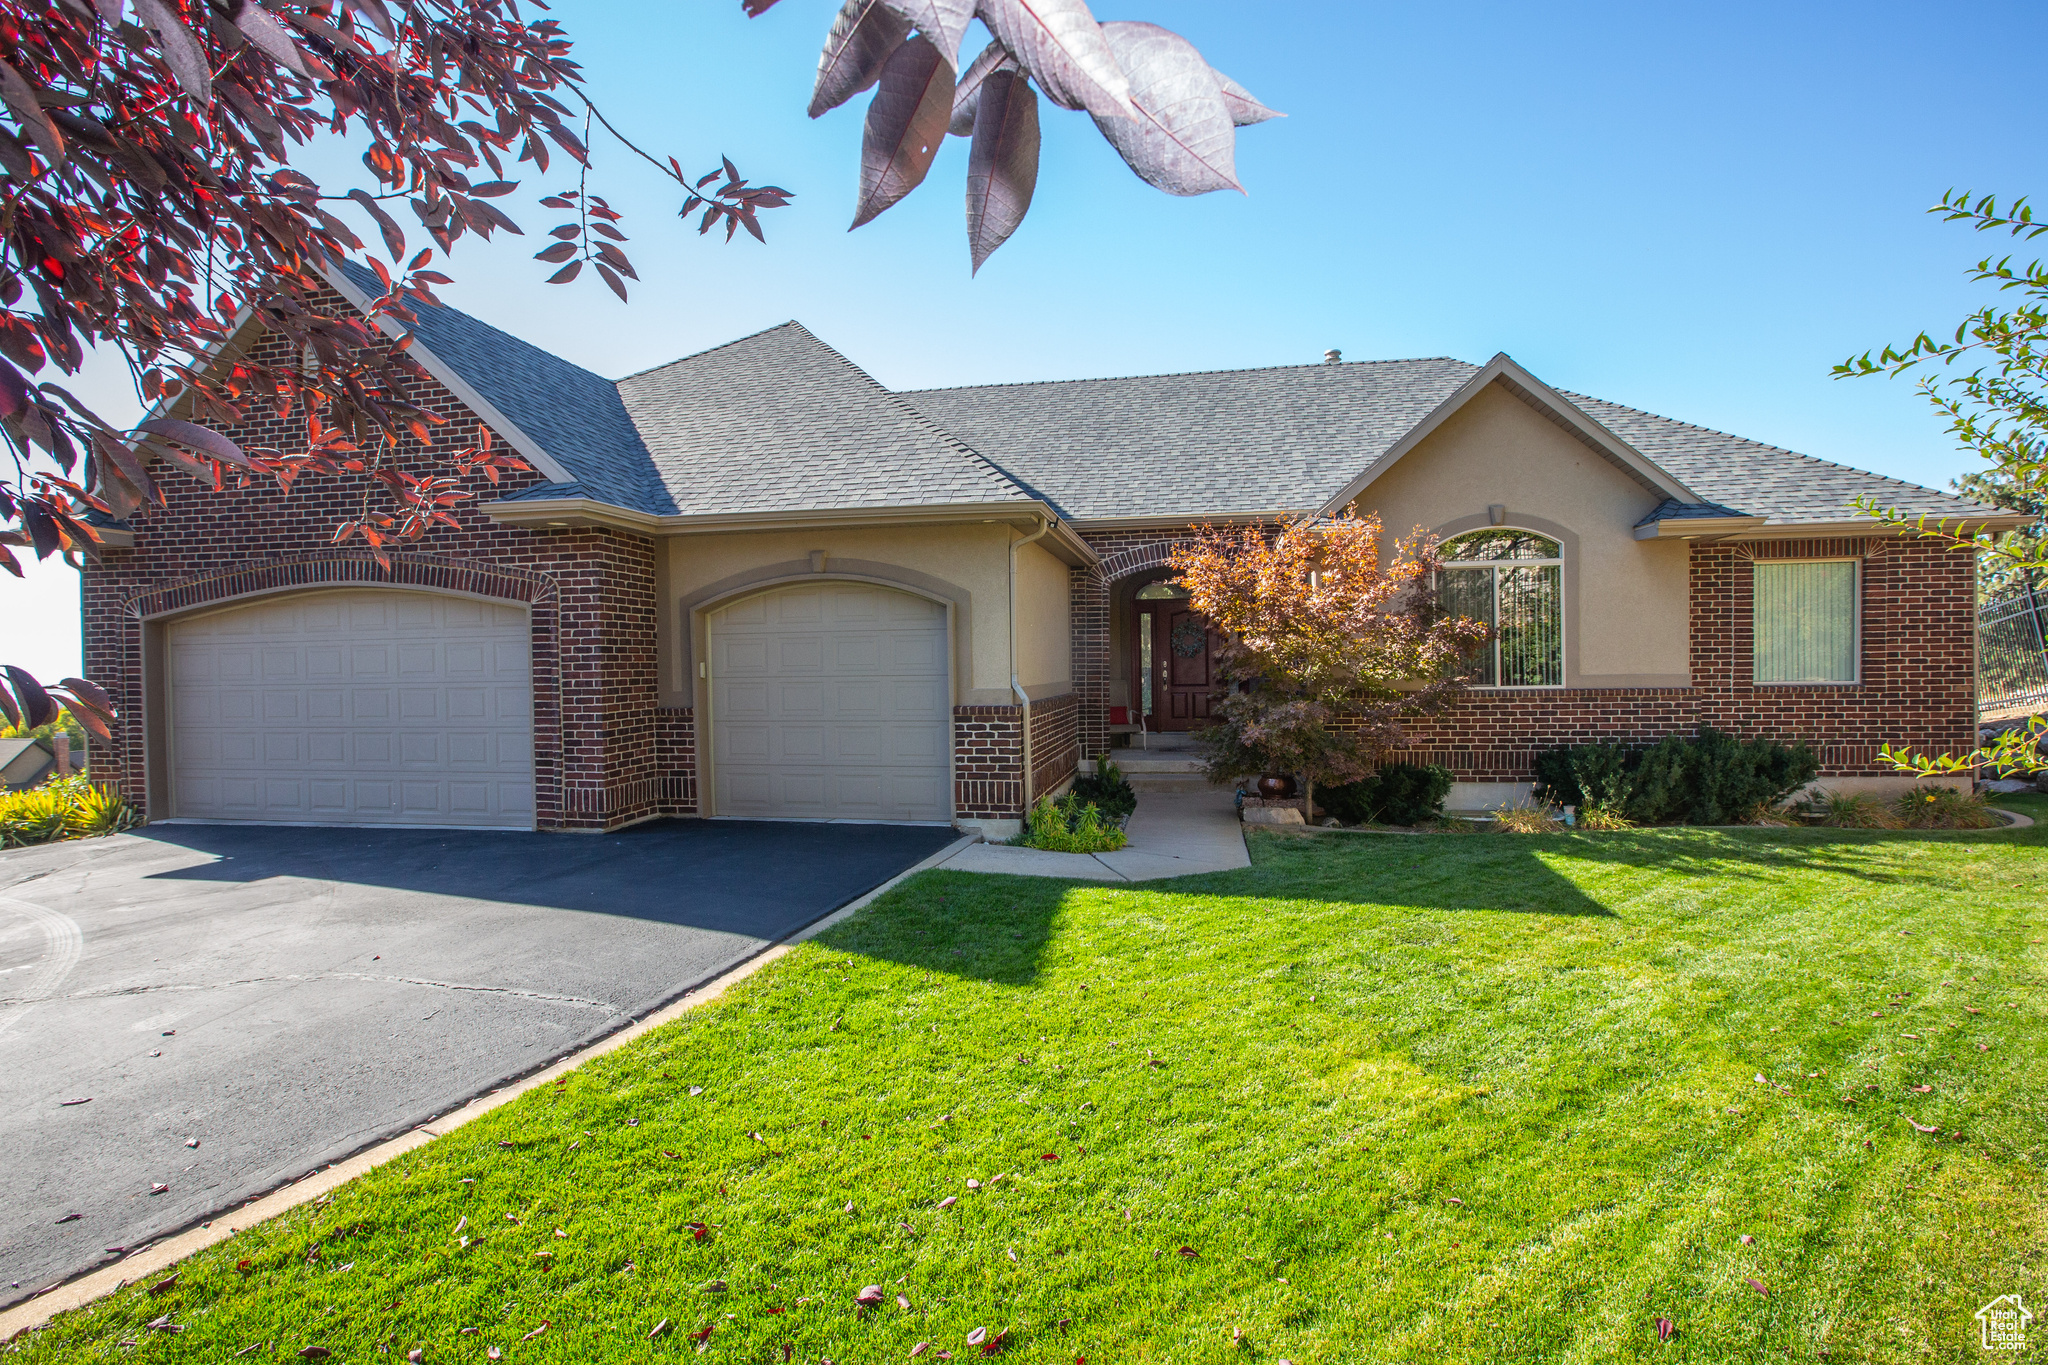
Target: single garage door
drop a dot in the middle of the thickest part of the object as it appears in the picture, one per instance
(354, 707)
(831, 702)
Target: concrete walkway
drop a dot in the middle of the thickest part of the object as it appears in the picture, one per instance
(1173, 834)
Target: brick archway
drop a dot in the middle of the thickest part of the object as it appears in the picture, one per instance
(148, 614)
(1139, 558)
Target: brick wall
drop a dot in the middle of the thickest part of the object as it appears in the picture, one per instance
(1918, 667)
(598, 756)
(1055, 741)
(988, 763)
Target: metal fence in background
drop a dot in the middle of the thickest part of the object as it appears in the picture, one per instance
(2012, 653)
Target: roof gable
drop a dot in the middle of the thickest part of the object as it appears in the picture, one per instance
(1231, 443)
(779, 421)
(566, 421)
(1503, 370)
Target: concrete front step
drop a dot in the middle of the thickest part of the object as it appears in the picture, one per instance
(1149, 767)
(1169, 782)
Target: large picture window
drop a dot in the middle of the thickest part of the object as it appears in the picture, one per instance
(1513, 582)
(1806, 621)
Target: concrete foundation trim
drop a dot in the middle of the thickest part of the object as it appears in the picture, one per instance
(154, 1259)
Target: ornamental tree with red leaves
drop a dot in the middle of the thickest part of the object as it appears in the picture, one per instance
(149, 205)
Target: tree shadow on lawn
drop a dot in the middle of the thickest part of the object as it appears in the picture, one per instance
(997, 928)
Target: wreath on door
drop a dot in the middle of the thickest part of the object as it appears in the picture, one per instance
(1190, 638)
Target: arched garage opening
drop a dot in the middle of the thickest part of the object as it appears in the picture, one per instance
(830, 699)
(351, 706)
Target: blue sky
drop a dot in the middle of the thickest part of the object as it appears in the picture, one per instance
(1690, 209)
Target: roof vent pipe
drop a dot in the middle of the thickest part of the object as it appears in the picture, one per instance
(1331, 357)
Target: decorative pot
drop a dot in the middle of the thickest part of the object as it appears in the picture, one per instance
(1276, 786)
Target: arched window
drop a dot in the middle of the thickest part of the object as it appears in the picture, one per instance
(1513, 581)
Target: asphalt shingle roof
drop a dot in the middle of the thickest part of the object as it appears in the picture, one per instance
(1195, 445)
(573, 414)
(779, 421)
(1240, 441)
(1761, 480)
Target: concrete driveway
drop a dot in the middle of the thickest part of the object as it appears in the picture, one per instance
(287, 996)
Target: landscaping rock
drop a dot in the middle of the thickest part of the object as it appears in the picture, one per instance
(1272, 815)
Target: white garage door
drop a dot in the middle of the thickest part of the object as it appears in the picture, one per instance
(831, 702)
(354, 707)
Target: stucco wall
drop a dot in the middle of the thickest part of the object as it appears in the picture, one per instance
(965, 564)
(1045, 647)
(1626, 600)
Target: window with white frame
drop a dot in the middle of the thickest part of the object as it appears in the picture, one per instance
(1806, 621)
(1511, 581)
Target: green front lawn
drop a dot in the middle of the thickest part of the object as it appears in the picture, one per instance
(1441, 1098)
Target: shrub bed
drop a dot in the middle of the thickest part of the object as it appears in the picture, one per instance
(1708, 779)
(1398, 794)
(62, 808)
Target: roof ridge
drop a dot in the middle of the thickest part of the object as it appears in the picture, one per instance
(1195, 374)
(1766, 445)
(914, 413)
(723, 345)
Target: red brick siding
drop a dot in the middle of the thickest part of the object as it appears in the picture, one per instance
(597, 760)
(675, 742)
(1918, 667)
(1055, 740)
(988, 763)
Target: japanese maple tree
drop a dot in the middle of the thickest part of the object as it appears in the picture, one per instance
(1330, 640)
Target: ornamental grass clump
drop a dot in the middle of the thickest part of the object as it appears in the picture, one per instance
(1851, 810)
(1071, 825)
(1526, 820)
(63, 808)
(1943, 808)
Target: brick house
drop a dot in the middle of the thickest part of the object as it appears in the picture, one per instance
(755, 583)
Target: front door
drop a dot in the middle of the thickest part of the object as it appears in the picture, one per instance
(1176, 658)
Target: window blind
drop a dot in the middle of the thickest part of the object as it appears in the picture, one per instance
(1806, 621)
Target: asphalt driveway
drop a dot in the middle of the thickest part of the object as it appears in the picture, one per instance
(283, 997)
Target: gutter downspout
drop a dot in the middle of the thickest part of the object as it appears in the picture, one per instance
(1016, 687)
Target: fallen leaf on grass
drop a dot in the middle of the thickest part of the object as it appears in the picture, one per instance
(995, 1343)
(1747, 1240)
(1665, 1331)
(919, 1349)
(902, 1302)
(1921, 1089)
(701, 1337)
(164, 1286)
(1048, 1156)
(1914, 1036)
(1011, 1253)
(243, 1265)
(1758, 1286)
(1459, 1202)
(949, 1201)
(869, 1296)
(493, 1354)
(699, 1231)
(977, 1336)
(164, 1324)
(1970, 1010)
(659, 1328)
(848, 1208)
(1919, 1125)
(321, 1353)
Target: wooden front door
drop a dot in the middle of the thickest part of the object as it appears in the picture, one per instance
(1176, 658)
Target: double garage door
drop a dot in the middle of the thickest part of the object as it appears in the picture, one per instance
(354, 707)
(831, 701)
(383, 707)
